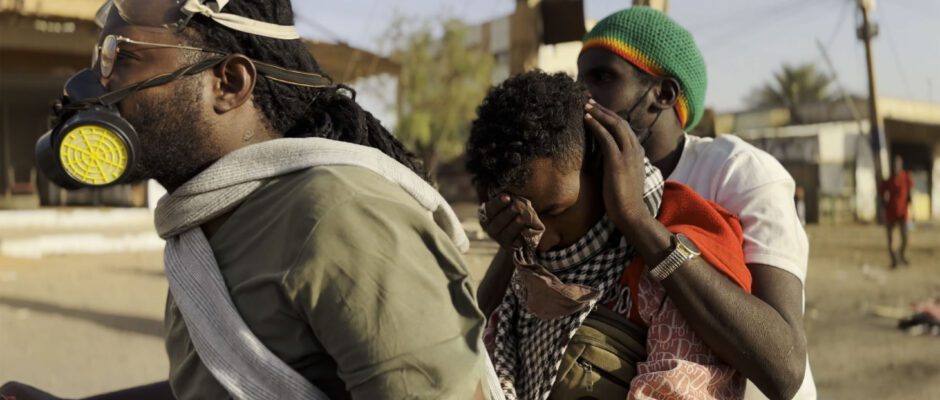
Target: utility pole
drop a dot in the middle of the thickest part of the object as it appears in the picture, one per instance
(524, 37)
(661, 5)
(879, 146)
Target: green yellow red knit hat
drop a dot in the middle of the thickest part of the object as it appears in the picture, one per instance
(655, 43)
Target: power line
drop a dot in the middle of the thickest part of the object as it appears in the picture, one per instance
(935, 12)
(846, 6)
(894, 52)
(824, 49)
(316, 25)
(736, 15)
(752, 29)
(721, 31)
(353, 61)
(928, 14)
(842, 92)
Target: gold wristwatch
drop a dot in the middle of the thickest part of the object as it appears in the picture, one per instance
(683, 249)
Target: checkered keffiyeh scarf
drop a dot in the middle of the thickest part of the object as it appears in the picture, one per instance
(528, 350)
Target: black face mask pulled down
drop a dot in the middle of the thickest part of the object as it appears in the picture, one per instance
(92, 145)
(642, 134)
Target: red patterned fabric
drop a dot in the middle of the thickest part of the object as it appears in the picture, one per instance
(679, 365)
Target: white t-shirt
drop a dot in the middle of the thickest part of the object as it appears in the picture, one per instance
(754, 186)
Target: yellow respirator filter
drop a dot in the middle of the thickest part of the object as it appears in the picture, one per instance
(93, 155)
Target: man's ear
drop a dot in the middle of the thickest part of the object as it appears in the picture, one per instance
(234, 82)
(667, 94)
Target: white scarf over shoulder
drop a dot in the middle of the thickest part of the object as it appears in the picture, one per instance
(234, 355)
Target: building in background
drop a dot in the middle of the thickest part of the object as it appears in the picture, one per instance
(829, 155)
(539, 34)
(42, 43)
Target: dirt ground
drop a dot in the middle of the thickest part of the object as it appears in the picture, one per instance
(854, 353)
(78, 325)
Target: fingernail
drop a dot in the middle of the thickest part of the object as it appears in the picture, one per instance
(588, 106)
(591, 101)
(504, 198)
(588, 116)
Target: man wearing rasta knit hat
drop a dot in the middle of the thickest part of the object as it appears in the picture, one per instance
(647, 69)
(643, 65)
(655, 44)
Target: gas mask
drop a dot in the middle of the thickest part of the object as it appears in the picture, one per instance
(91, 144)
(90, 147)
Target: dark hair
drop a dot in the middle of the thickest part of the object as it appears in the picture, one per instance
(529, 116)
(295, 111)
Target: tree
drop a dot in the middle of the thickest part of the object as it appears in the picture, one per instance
(441, 83)
(791, 87)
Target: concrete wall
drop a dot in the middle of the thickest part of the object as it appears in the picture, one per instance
(831, 161)
(562, 57)
(37, 55)
(524, 42)
(516, 49)
(916, 142)
(912, 130)
(866, 206)
(499, 46)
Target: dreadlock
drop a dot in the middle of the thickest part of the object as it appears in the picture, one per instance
(296, 111)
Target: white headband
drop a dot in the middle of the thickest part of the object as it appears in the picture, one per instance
(238, 22)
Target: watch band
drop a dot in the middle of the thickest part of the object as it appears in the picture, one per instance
(673, 261)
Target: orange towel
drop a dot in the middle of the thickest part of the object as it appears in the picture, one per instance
(715, 231)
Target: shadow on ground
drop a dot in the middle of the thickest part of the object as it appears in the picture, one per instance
(144, 326)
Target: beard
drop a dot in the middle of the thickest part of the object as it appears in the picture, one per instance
(174, 137)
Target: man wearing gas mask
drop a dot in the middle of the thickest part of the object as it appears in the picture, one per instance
(305, 251)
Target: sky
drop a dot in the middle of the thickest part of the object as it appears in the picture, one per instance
(743, 41)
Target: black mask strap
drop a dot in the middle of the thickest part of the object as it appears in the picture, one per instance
(116, 96)
(273, 72)
(643, 136)
(112, 98)
(639, 101)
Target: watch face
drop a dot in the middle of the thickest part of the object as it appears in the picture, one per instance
(685, 241)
